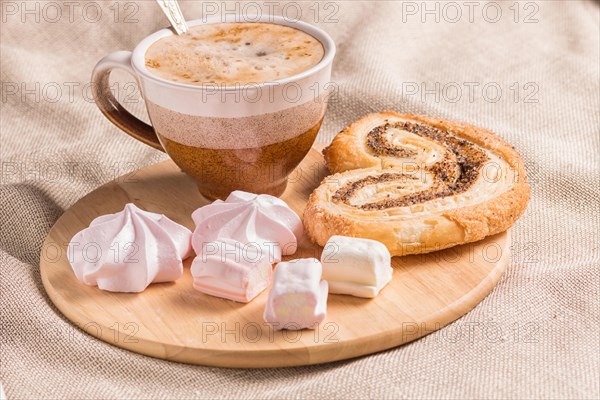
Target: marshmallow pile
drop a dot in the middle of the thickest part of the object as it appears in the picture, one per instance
(236, 242)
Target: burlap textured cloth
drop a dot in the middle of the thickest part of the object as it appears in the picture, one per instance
(529, 71)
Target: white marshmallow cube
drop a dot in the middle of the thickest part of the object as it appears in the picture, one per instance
(298, 296)
(355, 266)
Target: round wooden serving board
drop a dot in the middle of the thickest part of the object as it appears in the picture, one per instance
(174, 322)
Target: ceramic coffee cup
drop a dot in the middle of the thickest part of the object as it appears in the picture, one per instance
(242, 137)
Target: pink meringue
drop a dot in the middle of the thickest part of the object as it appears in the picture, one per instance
(298, 297)
(232, 270)
(248, 218)
(129, 250)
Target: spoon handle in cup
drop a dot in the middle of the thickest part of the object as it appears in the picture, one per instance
(174, 14)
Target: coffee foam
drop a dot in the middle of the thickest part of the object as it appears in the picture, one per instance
(237, 133)
(234, 53)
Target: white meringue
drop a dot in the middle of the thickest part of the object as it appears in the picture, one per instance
(232, 270)
(129, 250)
(248, 218)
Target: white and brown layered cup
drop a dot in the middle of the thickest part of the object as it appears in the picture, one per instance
(244, 137)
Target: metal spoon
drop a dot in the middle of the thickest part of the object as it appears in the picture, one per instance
(173, 13)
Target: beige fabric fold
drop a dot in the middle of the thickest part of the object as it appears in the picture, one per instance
(531, 76)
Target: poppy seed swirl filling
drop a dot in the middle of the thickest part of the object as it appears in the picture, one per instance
(446, 178)
(417, 184)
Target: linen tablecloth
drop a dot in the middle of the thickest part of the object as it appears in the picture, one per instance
(527, 70)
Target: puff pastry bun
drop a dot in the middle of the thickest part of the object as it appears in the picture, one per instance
(417, 184)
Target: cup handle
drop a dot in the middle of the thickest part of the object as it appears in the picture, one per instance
(111, 108)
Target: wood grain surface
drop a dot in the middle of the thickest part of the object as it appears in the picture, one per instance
(174, 322)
